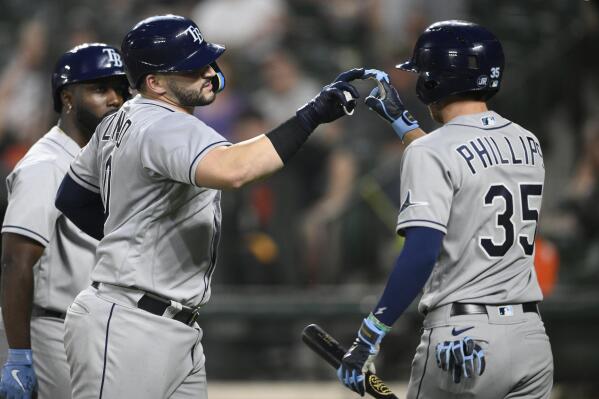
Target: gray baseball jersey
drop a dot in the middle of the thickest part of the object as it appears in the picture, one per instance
(162, 230)
(64, 267)
(478, 179)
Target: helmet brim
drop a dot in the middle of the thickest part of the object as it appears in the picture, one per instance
(200, 58)
(408, 66)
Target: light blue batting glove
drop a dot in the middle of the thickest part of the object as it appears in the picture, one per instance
(18, 378)
(385, 101)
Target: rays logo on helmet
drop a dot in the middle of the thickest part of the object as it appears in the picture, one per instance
(195, 34)
(113, 57)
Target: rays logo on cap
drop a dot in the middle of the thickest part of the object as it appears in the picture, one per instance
(113, 57)
(195, 34)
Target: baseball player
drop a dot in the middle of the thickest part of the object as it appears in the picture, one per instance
(147, 184)
(471, 196)
(46, 259)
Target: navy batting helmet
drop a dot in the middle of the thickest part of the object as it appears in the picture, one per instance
(169, 43)
(85, 62)
(456, 57)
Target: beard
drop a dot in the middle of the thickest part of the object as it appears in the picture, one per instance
(188, 97)
(88, 121)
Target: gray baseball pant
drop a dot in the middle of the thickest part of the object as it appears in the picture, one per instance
(117, 351)
(519, 363)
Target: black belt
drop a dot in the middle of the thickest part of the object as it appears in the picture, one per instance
(461, 309)
(38, 311)
(158, 306)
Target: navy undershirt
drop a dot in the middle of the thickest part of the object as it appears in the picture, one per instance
(83, 207)
(413, 267)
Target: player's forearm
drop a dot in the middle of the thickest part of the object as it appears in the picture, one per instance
(244, 162)
(17, 299)
(412, 269)
(239, 164)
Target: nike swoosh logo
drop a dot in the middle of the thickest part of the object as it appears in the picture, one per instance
(455, 332)
(15, 376)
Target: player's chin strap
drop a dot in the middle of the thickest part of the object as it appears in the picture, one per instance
(218, 81)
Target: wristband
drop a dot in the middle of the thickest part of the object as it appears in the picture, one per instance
(404, 124)
(373, 331)
(20, 357)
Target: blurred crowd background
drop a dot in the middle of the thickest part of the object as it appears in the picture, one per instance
(315, 242)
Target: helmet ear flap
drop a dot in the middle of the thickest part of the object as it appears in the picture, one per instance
(426, 87)
(430, 84)
(218, 81)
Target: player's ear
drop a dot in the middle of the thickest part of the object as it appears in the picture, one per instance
(66, 97)
(155, 84)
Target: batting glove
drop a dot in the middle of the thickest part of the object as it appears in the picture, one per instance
(463, 357)
(18, 378)
(333, 101)
(359, 359)
(385, 101)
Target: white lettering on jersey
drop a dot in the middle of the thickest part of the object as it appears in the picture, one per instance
(113, 57)
(195, 34)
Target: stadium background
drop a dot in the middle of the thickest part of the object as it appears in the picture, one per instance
(314, 243)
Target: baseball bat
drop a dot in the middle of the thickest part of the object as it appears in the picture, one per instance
(330, 350)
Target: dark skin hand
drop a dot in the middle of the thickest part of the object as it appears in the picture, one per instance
(19, 255)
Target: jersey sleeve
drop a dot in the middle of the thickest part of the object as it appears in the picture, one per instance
(426, 190)
(31, 211)
(174, 146)
(84, 169)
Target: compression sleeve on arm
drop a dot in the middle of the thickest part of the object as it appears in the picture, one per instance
(83, 207)
(288, 137)
(412, 269)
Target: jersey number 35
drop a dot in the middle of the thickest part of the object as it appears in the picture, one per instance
(529, 219)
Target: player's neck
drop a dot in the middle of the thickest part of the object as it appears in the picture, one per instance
(459, 108)
(69, 127)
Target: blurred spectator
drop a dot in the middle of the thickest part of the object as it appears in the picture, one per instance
(261, 248)
(329, 36)
(24, 103)
(576, 224)
(284, 88)
(585, 197)
(253, 27)
(320, 223)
